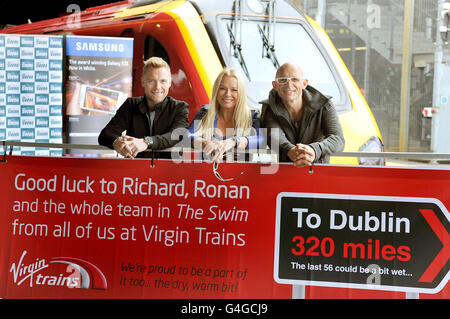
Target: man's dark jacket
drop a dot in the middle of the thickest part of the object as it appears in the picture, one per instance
(132, 116)
(319, 125)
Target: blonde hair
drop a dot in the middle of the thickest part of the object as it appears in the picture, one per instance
(242, 113)
(154, 62)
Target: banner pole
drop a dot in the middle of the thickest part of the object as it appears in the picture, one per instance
(412, 295)
(298, 292)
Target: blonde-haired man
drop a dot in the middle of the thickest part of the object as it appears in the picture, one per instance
(148, 120)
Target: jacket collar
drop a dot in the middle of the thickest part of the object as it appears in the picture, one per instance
(314, 99)
(143, 107)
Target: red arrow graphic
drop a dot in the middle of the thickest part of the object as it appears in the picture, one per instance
(441, 259)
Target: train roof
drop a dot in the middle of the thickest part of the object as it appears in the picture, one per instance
(128, 10)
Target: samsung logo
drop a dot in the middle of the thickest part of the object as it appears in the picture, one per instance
(99, 47)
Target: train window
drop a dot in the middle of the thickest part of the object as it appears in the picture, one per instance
(292, 43)
(154, 48)
(127, 33)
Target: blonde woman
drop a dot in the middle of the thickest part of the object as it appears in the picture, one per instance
(227, 122)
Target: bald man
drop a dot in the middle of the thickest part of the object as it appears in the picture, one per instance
(301, 121)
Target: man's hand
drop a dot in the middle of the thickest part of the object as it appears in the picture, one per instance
(129, 146)
(302, 155)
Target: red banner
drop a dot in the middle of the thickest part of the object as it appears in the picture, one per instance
(108, 228)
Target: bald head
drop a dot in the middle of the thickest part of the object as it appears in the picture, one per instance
(289, 84)
(289, 70)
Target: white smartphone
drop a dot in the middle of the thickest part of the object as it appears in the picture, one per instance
(98, 99)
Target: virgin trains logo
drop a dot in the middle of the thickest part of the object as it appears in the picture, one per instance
(57, 272)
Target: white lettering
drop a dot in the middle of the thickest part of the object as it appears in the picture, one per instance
(385, 222)
(221, 191)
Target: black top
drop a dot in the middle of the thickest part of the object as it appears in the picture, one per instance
(170, 114)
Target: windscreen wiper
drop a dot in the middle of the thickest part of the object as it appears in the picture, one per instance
(268, 49)
(237, 51)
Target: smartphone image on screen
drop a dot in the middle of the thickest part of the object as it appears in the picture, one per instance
(99, 99)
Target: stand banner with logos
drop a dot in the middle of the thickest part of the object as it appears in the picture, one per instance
(31, 81)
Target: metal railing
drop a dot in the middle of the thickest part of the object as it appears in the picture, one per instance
(394, 155)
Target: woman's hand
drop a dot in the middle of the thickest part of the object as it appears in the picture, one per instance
(216, 149)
